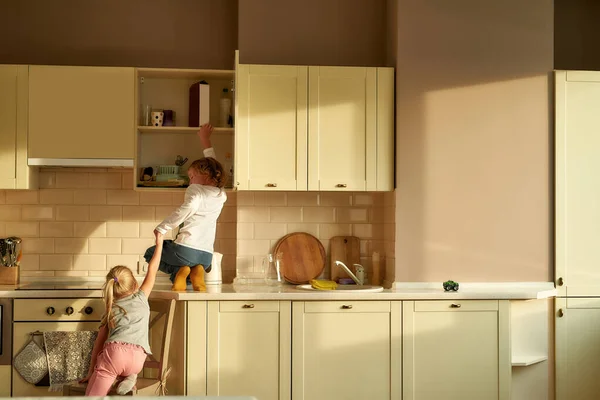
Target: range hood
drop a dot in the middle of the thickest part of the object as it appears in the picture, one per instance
(80, 162)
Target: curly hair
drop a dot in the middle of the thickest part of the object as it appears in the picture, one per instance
(211, 167)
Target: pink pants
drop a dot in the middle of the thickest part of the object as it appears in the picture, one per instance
(115, 359)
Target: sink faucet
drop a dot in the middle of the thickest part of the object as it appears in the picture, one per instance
(345, 268)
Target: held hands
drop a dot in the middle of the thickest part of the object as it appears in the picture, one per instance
(159, 237)
(204, 133)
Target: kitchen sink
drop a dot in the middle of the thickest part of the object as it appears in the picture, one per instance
(345, 288)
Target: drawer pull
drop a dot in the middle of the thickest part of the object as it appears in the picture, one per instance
(341, 185)
(560, 313)
(248, 306)
(347, 307)
(271, 185)
(454, 305)
(69, 310)
(50, 310)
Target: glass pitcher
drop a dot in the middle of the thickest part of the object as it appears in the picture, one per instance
(272, 267)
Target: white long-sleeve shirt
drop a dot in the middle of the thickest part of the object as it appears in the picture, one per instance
(199, 212)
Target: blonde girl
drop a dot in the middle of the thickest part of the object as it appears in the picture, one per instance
(122, 344)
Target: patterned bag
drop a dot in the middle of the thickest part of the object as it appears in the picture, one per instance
(31, 362)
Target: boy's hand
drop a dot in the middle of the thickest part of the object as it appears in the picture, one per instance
(204, 134)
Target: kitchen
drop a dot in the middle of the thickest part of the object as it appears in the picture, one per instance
(457, 213)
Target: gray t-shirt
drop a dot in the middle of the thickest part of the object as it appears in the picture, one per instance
(131, 326)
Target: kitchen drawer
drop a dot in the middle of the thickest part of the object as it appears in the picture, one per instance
(349, 306)
(248, 306)
(58, 309)
(458, 305)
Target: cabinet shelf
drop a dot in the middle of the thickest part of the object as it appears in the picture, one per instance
(180, 129)
(525, 361)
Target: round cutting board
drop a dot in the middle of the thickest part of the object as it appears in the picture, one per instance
(302, 257)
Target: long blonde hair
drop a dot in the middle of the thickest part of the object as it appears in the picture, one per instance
(120, 283)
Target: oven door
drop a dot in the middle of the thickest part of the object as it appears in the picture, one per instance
(5, 331)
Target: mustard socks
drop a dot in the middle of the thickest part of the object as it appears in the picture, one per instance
(196, 275)
(180, 279)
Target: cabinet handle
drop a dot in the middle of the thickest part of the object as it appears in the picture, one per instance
(248, 306)
(560, 313)
(347, 307)
(454, 305)
(271, 185)
(341, 185)
(50, 310)
(560, 282)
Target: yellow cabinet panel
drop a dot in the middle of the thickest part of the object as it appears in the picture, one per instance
(81, 112)
(14, 172)
(271, 130)
(5, 380)
(346, 351)
(249, 347)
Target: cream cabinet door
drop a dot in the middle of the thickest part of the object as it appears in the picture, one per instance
(5, 380)
(346, 350)
(249, 349)
(81, 112)
(577, 184)
(456, 350)
(577, 327)
(14, 172)
(271, 127)
(342, 128)
(195, 380)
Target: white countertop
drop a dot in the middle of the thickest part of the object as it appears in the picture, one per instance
(399, 291)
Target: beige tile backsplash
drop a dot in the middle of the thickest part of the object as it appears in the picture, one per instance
(81, 222)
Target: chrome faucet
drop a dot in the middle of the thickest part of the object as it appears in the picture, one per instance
(345, 268)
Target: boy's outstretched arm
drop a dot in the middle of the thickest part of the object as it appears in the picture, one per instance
(148, 283)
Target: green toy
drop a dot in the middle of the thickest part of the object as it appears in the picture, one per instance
(450, 286)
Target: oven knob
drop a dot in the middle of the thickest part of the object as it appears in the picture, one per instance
(69, 310)
(88, 310)
(50, 310)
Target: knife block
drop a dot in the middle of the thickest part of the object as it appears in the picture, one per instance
(9, 275)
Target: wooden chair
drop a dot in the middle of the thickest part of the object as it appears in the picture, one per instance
(146, 386)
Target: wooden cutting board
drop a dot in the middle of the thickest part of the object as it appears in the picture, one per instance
(345, 249)
(302, 257)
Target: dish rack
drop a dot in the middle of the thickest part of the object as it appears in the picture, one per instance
(167, 173)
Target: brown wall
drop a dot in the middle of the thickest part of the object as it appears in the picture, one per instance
(473, 140)
(149, 33)
(314, 32)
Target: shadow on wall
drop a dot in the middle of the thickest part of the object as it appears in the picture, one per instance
(473, 140)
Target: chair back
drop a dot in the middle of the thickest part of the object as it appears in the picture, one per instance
(163, 309)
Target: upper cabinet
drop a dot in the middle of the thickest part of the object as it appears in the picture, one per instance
(84, 113)
(315, 128)
(14, 172)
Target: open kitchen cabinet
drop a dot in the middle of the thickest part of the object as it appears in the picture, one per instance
(169, 89)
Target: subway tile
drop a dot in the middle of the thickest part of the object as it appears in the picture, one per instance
(227, 246)
(71, 274)
(327, 231)
(138, 213)
(104, 246)
(10, 213)
(122, 229)
(72, 180)
(252, 214)
(72, 213)
(269, 230)
(389, 199)
(252, 247)
(90, 196)
(389, 232)
(56, 262)
(83, 262)
(244, 264)
(156, 199)
(97, 273)
(129, 261)
(122, 197)
(389, 249)
(38, 246)
(245, 198)
(36, 274)
(335, 199)
(351, 214)
(231, 199)
(56, 229)
(71, 245)
(162, 212)
(146, 229)
(318, 214)
(106, 180)
(228, 214)
(245, 231)
(37, 213)
(226, 230)
(285, 214)
(47, 180)
(2, 197)
(2, 229)
(313, 229)
(127, 180)
(275, 198)
(389, 215)
(30, 262)
(368, 231)
(302, 199)
(363, 199)
(376, 216)
(56, 196)
(22, 197)
(23, 229)
(136, 246)
(106, 213)
(90, 229)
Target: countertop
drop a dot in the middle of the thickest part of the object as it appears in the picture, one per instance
(399, 291)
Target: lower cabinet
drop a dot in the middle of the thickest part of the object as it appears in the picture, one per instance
(346, 350)
(5, 380)
(456, 350)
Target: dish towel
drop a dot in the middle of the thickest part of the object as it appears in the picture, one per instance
(69, 355)
(322, 284)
